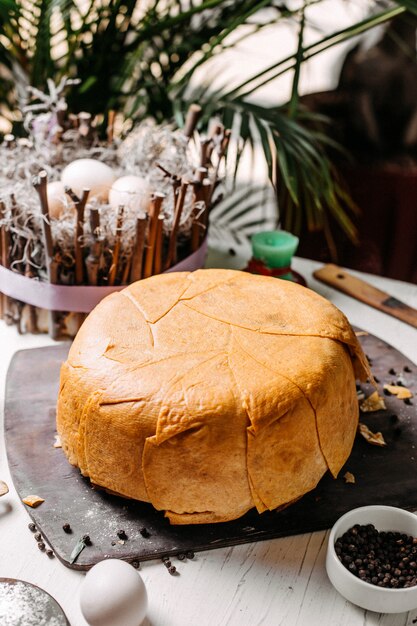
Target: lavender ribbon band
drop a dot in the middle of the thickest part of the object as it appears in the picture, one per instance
(80, 299)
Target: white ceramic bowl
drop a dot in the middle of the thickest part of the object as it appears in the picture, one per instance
(363, 594)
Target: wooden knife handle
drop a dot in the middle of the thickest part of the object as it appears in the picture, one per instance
(338, 278)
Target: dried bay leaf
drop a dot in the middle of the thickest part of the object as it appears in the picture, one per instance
(372, 403)
(376, 439)
(399, 391)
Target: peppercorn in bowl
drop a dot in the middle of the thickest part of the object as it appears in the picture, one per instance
(372, 558)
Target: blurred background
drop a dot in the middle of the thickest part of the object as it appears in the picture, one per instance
(320, 95)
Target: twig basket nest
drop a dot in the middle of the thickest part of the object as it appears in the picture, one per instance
(106, 213)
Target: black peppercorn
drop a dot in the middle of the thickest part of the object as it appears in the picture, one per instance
(167, 564)
(392, 371)
(407, 369)
(385, 559)
(50, 553)
(32, 527)
(87, 540)
(37, 537)
(144, 532)
(172, 569)
(41, 546)
(121, 534)
(135, 564)
(66, 528)
(190, 554)
(181, 556)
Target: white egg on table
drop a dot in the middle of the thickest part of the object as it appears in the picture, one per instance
(130, 191)
(89, 174)
(57, 198)
(113, 594)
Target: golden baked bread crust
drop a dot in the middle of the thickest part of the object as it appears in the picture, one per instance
(212, 392)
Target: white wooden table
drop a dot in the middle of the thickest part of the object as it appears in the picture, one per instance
(270, 583)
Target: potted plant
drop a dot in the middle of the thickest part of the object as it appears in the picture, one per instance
(139, 60)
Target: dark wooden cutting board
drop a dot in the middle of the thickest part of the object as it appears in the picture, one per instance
(383, 475)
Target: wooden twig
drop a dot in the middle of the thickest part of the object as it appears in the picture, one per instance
(196, 226)
(79, 232)
(116, 249)
(172, 244)
(84, 128)
(9, 140)
(33, 320)
(201, 174)
(126, 271)
(154, 209)
(191, 120)
(206, 147)
(92, 261)
(40, 183)
(5, 261)
(175, 181)
(94, 221)
(216, 130)
(203, 217)
(111, 116)
(137, 256)
(158, 261)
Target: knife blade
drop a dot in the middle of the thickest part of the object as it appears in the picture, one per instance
(338, 278)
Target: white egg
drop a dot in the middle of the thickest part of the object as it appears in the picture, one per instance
(131, 191)
(113, 594)
(89, 174)
(57, 198)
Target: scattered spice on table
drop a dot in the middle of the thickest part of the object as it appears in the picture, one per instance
(33, 501)
(79, 547)
(376, 439)
(398, 390)
(385, 559)
(349, 478)
(372, 403)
